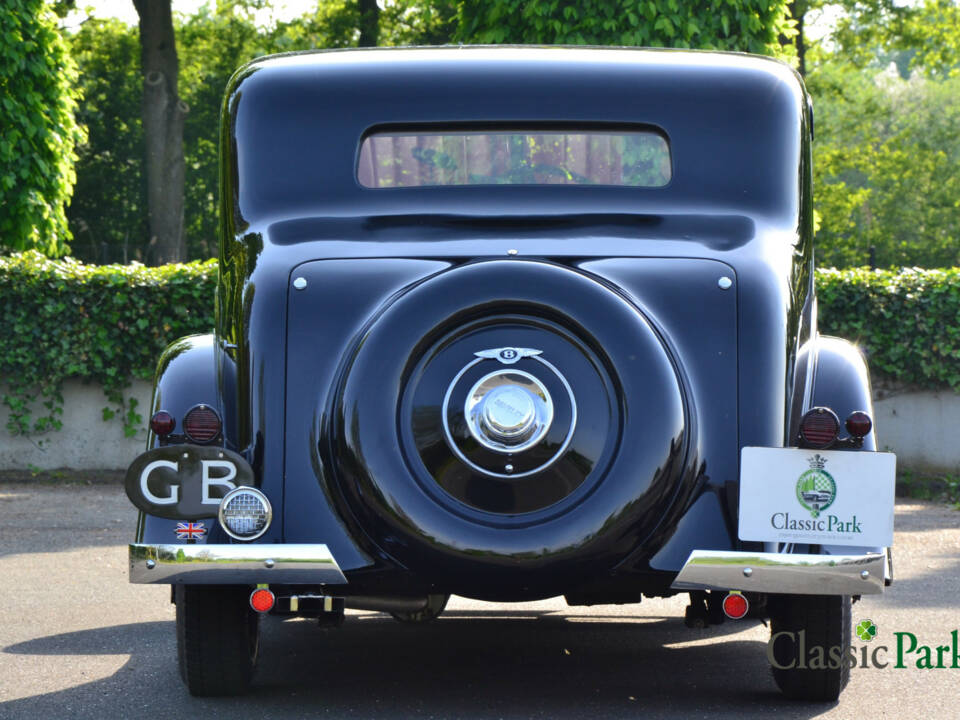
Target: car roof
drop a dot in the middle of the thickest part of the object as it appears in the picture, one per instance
(296, 122)
(550, 58)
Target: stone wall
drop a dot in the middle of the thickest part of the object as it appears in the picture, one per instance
(919, 426)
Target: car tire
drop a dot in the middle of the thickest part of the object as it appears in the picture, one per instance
(218, 638)
(431, 611)
(825, 621)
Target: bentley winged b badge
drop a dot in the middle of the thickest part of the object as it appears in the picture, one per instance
(508, 355)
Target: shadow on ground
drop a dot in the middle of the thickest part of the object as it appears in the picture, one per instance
(522, 664)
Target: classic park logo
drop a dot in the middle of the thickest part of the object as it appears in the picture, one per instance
(909, 652)
(816, 489)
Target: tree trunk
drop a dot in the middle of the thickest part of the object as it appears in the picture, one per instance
(163, 116)
(369, 23)
(798, 9)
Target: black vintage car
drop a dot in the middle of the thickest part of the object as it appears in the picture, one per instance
(514, 323)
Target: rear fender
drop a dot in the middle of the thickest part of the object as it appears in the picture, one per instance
(840, 381)
(195, 370)
(186, 376)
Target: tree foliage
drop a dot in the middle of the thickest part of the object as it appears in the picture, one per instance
(932, 32)
(212, 46)
(922, 36)
(414, 22)
(109, 210)
(108, 215)
(886, 152)
(39, 132)
(887, 168)
(748, 25)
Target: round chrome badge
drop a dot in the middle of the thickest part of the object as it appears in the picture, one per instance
(508, 411)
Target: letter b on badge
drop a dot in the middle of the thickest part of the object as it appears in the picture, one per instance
(223, 481)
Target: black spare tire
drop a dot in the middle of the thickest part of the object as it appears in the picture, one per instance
(507, 422)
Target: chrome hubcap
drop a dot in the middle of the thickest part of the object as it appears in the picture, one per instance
(508, 411)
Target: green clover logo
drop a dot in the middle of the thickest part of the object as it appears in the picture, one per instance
(866, 630)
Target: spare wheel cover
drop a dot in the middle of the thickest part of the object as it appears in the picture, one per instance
(419, 480)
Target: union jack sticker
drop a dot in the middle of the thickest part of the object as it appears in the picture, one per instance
(190, 531)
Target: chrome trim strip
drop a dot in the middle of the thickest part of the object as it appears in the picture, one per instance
(798, 574)
(216, 564)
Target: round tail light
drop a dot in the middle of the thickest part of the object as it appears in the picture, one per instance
(245, 513)
(262, 600)
(819, 428)
(859, 424)
(162, 423)
(735, 606)
(201, 424)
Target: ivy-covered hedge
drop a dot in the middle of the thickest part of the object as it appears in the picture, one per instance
(907, 321)
(103, 323)
(108, 323)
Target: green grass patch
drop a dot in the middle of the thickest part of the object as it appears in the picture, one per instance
(943, 488)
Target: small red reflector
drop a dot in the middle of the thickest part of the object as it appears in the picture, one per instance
(201, 424)
(262, 600)
(162, 423)
(859, 424)
(819, 428)
(735, 606)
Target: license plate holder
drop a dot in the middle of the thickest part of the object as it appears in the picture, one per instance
(830, 497)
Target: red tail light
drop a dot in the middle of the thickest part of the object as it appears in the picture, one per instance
(262, 600)
(735, 606)
(819, 428)
(859, 424)
(201, 424)
(162, 423)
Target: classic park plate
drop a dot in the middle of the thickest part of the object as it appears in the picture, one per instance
(817, 496)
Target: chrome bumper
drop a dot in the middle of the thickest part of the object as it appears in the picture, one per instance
(783, 573)
(234, 564)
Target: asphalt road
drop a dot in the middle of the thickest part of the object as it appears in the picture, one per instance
(77, 641)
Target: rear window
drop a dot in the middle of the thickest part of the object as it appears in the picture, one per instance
(638, 158)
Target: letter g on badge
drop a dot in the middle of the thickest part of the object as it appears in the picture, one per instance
(174, 495)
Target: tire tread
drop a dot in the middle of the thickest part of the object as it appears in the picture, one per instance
(827, 621)
(217, 639)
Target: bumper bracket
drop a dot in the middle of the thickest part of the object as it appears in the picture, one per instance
(229, 564)
(788, 573)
